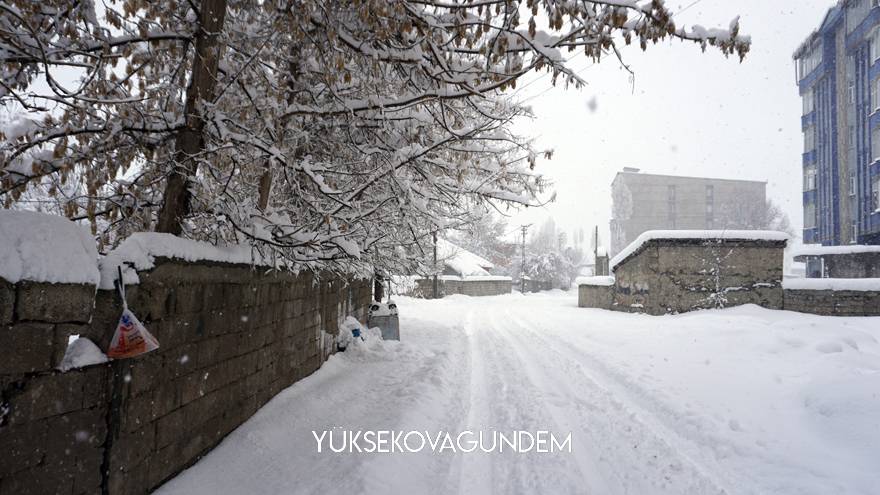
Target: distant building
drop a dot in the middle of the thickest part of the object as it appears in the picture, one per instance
(461, 262)
(837, 73)
(642, 202)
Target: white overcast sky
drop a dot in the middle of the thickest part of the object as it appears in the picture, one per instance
(687, 113)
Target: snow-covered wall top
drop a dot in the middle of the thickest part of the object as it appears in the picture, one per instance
(476, 278)
(855, 284)
(464, 262)
(140, 250)
(46, 248)
(818, 250)
(727, 235)
(597, 281)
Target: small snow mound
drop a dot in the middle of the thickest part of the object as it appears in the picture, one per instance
(46, 248)
(80, 353)
(383, 309)
(829, 347)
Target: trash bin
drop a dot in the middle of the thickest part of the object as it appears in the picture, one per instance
(384, 317)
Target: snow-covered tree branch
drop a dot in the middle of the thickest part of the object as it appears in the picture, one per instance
(324, 132)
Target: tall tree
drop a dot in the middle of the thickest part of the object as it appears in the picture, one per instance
(320, 131)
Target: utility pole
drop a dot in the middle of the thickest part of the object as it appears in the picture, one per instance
(596, 251)
(522, 272)
(436, 288)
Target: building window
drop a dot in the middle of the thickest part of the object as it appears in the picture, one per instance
(875, 145)
(854, 233)
(875, 195)
(810, 139)
(875, 93)
(670, 206)
(852, 184)
(810, 179)
(810, 216)
(808, 102)
(810, 60)
(875, 45)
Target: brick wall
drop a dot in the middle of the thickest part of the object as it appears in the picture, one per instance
(833, 303)
(231, 338)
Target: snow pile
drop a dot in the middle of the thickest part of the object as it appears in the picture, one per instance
(856, 284)
(357, 338)
(81, 352)
(46, 248)
(383, 309)
(463, 262)
(727, 235)
(140, 250)
(819, 250)
(599, 281)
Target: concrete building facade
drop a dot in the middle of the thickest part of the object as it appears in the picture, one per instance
(838, 77)
(643, 202)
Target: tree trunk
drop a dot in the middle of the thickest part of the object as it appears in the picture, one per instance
(190, 141)
(265, 190)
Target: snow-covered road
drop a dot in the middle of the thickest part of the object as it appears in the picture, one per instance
(738, 401)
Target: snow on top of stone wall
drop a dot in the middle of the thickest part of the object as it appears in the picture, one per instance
(476, 278)
(818, 250)
(854, 284)
(728, 235)
(597, 281)
(140, 250)
(39, 247)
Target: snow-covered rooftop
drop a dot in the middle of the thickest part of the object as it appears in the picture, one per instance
(818, 250)
(727, 235)
(462, 261)
(46, 248)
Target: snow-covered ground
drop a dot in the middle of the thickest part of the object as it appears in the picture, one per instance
(738, 401)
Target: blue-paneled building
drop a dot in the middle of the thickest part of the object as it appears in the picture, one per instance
(838, 74)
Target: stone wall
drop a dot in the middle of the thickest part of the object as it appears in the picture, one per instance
(833, 302)
(475, 288)
(680, 275)
(853, 265)
(595, 296)
(231, 338)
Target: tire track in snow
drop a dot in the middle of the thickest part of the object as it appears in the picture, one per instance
(622, 422)
(504, 399)
(475, 469)
(554, 400)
